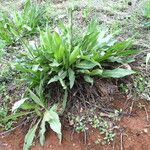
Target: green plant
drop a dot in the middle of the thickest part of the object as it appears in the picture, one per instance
(5, 35)
(98, 122)
(115, 116)
(27, 20)
(4, 113)
(44, 115)
(79, 123)
(61, 57)
(21, 23)
(147, 13)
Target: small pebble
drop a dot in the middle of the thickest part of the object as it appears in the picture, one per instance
(145, 130)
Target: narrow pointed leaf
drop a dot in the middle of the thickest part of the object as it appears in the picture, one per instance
(14, 116)
(43, 129)
(71, 77)
(88, 79)
(86, 65)
(18, 104)
(117, 73)
(55, 123)
(74, 55)
(30, 137)
(54, 79)
(36, 99)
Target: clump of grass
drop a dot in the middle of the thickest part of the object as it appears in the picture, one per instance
(28, 19)
(61, 58)
(21, 23)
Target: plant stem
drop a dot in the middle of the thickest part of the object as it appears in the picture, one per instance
(71, 27)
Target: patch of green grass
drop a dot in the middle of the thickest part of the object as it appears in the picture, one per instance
(28, 19)
(21, 23)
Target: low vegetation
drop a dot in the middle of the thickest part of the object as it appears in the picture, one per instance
(62, 57)
(21, 23)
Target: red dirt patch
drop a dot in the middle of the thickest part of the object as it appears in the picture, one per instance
(134, 130)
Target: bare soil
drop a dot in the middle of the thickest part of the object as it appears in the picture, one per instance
(132, 133)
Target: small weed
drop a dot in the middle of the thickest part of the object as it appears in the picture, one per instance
(142, 86)
(115, 116)
(81, 124)
(124, 88)
(4, 110)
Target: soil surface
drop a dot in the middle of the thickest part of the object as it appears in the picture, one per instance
(132, 133)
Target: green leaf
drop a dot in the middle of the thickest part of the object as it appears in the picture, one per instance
(54, 63)
(119, 49)
(95, 72)
(27, 27)
(59, 53)
(74, 55)
(14, 116)
(71, 77)
(52, 118)
(62, 74)
(18, 104)
(121, 46)
(127, 52)
(29, 106)
(117, 73)
(55, 123)
(86, 64)
(30, 137)
(88, 79)
(121, 60)
(36, 99)
(35, 67)
(62, 82)
(54, 79)
(43, 129)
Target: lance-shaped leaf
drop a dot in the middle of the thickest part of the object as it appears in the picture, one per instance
(71, 77)
(30, 137)
(117, 73)
(18, 104)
